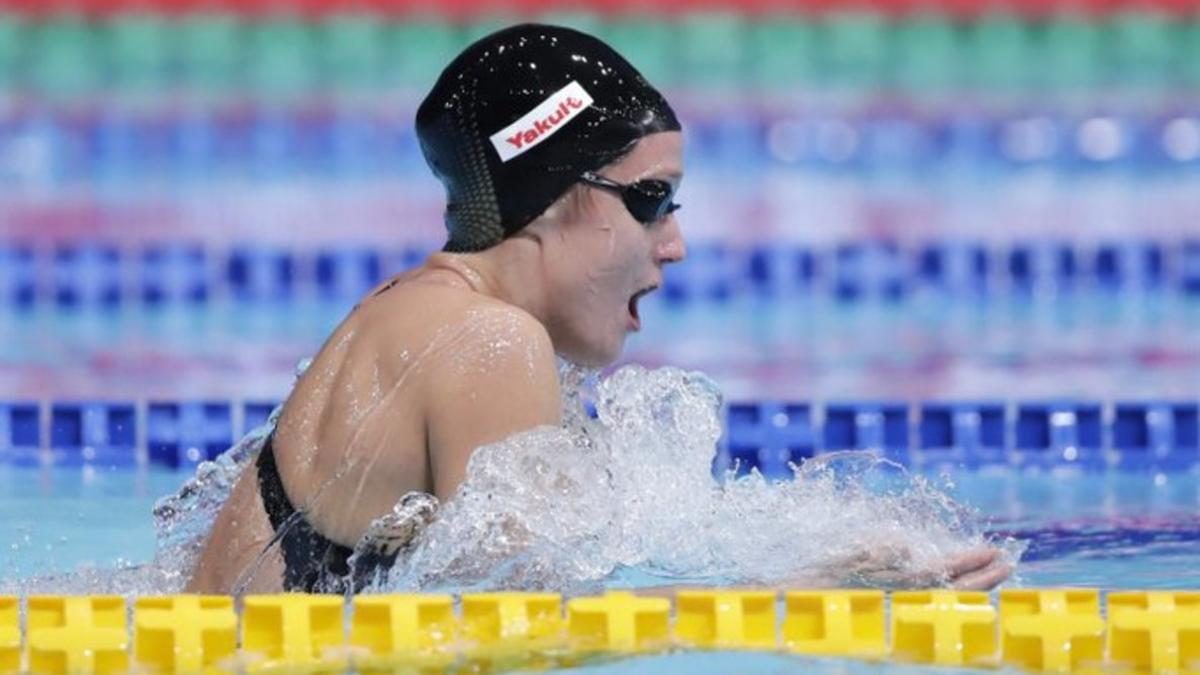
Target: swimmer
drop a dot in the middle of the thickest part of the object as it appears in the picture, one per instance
(560, 165)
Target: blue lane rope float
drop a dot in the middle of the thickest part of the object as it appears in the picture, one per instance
(104, 275)
(1054, 630)
(282, 139)
(184, 433)
(767, 436)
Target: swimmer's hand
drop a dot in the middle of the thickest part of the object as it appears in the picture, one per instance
(979, 569)
(892, 567)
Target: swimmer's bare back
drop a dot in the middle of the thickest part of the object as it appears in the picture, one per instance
(426, 368)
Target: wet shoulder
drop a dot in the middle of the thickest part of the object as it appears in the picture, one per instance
(487, 333)
(460, 326)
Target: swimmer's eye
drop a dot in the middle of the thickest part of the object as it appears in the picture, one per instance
(648, 201)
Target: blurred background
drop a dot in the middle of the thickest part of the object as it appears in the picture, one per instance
(890, 199)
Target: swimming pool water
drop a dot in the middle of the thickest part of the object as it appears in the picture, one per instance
(1106, 530)
(1111, 531)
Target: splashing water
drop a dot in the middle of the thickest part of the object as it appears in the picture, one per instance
(569, 507)
(573, 507)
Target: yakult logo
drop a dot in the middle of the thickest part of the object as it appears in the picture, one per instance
(540, 123)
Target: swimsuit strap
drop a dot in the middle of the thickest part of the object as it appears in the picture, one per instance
(311, 560)
(314, 563)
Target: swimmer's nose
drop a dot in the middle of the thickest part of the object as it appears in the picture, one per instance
(670, 247)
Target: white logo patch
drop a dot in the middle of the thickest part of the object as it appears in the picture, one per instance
(540, 123)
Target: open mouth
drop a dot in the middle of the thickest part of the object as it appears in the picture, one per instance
(633, 303)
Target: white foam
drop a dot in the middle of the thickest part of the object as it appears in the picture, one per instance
(573, 507)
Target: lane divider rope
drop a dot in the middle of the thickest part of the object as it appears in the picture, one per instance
(1058, 630)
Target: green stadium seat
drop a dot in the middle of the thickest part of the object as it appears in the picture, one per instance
(13, 33)
(855, 49)
(418, 50)
(137, 47)
(281, 59)
(648, 42)
(782, 52)
(998, 53)
(352, 48)
(1069, 50)
(62, 58)
(1141, 48)
(211, 54)
(712, 49)
(928, 53)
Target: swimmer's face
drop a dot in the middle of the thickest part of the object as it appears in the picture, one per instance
(600, 260)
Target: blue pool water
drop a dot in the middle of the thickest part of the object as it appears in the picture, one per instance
(1111, 531)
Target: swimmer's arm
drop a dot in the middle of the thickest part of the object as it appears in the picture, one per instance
(977, 569)
(504, 380)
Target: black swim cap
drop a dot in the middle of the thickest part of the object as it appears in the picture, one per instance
(519, 116)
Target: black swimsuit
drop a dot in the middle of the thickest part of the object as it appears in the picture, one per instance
(312, 563)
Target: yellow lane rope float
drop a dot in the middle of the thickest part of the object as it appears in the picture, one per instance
(1057, 630)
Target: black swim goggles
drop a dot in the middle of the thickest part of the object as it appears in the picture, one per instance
(648, 201)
